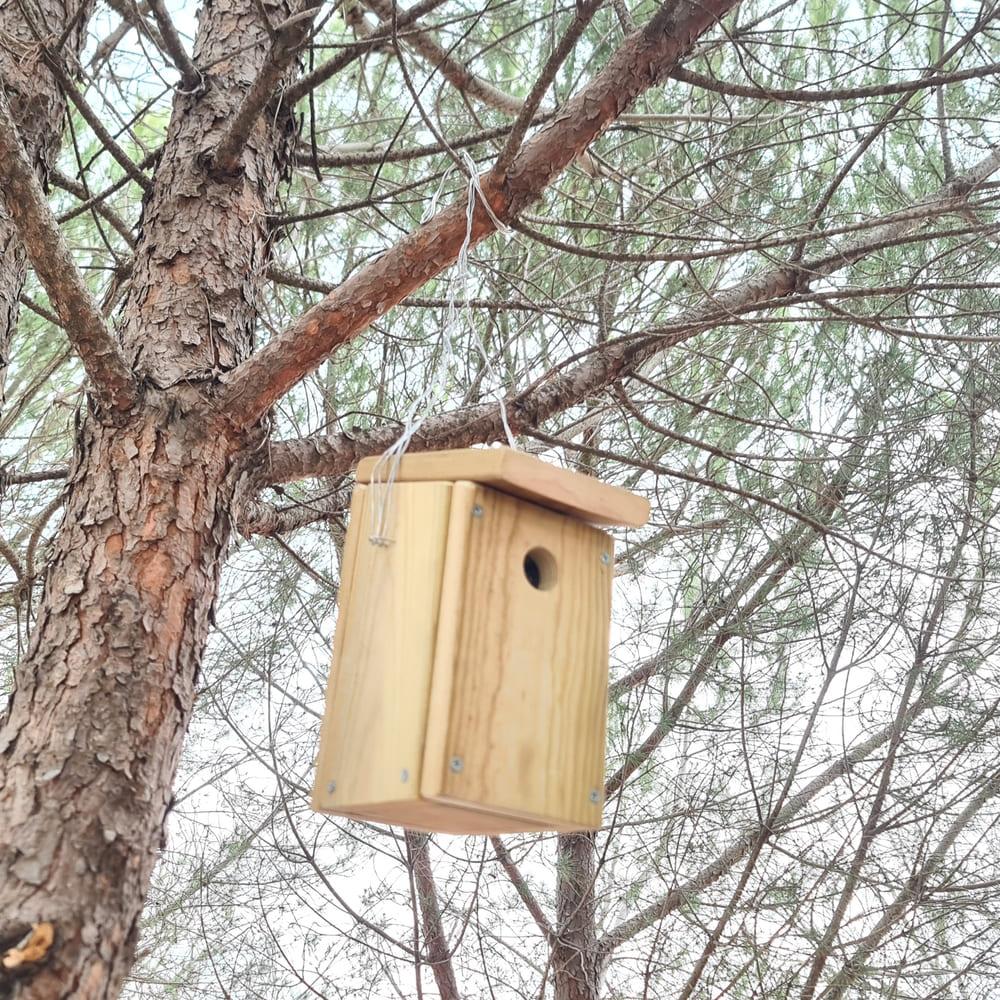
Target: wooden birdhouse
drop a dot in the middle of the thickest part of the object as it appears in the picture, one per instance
(468, 691)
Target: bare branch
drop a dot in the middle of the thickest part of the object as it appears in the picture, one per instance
(424, 44)
(88, 114)
(643, 60)
(913, 890)
(330, 69)
(190, 74)
(113, 382)
(435, 940)
(584, 14)
(336, 454)
(806, 96)
(288, 39)
(522, 888)
(739, 848)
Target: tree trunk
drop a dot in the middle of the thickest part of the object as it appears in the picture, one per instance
(38, 106)
(435, 940)
(576, 957)
(91, 739)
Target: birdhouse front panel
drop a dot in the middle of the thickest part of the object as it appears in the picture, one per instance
(518, 700)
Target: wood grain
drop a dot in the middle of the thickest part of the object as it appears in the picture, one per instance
(374, 725)
(523, 475)
(520, 675)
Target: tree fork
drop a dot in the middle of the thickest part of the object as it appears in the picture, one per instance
(91, 738)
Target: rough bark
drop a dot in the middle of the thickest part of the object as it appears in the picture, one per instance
(576, 956)
(435, 939)
(92, 735)
(37, 108)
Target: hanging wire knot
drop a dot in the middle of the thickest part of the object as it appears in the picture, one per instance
(387, 467)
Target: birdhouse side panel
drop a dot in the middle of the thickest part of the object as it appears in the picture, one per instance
(371, 743)
(520, 678)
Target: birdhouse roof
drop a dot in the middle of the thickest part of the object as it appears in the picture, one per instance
(521, 475)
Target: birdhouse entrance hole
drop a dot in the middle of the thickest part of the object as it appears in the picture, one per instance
(540, 569)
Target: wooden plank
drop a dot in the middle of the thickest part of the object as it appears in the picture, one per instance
(522, 475)
(520, 674)
(441, 817)
(373, 729)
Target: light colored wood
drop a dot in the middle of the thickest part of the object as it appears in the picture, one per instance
(431, 816)
(374, 725)
(522, 475)
(463, 499)
(520, 674)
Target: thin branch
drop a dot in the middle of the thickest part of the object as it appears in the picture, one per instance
(41, 476)
(113, 382)
(88, 114)
(522, 888)
(190, 74)
(259, 518)
(371, 154)
(462, 79)
(78, 190)
(287, 40)
(914, 889)
(328, 70)
(584, 15)
(806, 96)
(739, 848)
(643, 60)
(134, 13)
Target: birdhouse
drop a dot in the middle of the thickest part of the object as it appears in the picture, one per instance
(468, 692)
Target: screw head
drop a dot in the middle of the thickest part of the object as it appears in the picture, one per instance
(332, 787)
(404, 775)
(455, 764)
(595, 796)
(477, 511)
(606, 558)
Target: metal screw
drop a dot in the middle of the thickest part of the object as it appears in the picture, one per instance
(595, 796)
(332, 787)
(456, 764)
(477, 511)
(606, 558)
(404, 775)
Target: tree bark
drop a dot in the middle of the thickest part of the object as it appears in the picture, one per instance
(576, 958)
(91, 739)
(435, 939)
(37, 107)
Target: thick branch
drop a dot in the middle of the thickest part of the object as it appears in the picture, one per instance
(78, 313)
(643, 60)
(338, 453)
